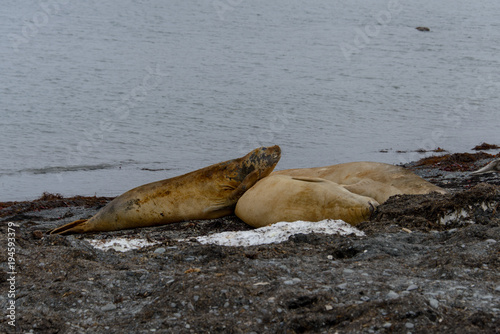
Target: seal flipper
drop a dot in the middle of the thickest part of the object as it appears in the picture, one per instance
(246, 184)
(225, 206)
(74, 227)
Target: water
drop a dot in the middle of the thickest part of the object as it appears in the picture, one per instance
(99, 97)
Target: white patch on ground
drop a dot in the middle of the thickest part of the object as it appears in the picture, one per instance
(463, 214)
(278, 232)
(120, 244)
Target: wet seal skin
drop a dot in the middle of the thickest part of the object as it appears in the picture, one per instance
(207, 193)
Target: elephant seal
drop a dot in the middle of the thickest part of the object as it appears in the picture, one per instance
(279, 198)
(207, 193)
(492, 167)
(373, 179)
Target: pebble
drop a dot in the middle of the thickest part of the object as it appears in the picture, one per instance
(38, 234)
(412, 287)
(160, 250)
(392, 295)
(348, 271)
(497, 289)
(387, 325)
(409, 325)
(491, 241)
(292, 281)
(433, 302)
(108, 307)
(342, 286)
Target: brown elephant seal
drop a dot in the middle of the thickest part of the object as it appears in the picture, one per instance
(207, 193)
(283, 198)
(374, 179)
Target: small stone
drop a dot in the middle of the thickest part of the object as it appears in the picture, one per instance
(497, 289)
(342, 286)
(423, 29)
(37, 234)
(328, 307)
(387, 325)
(160, 250)
(409, 325)
(108, 307)
(392, 295)
(348, 271)
(292, 281)
(490, 241)
(412, 287)
(433, 302)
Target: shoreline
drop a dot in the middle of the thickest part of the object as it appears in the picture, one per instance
(426, 263)
(449, 165)
(103, 183)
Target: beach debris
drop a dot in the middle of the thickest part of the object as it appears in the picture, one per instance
(192, 270)
(461, 162)
(492, 167)
(485, 146)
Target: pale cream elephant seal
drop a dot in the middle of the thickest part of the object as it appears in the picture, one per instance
(373, 179)
(283, 198)
(207, 193)
(492, 167)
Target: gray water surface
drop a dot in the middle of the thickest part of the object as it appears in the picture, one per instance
(98, 97)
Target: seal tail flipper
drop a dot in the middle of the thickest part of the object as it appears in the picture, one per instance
(74, 227)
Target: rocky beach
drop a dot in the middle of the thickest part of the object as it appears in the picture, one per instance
(422, 264)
